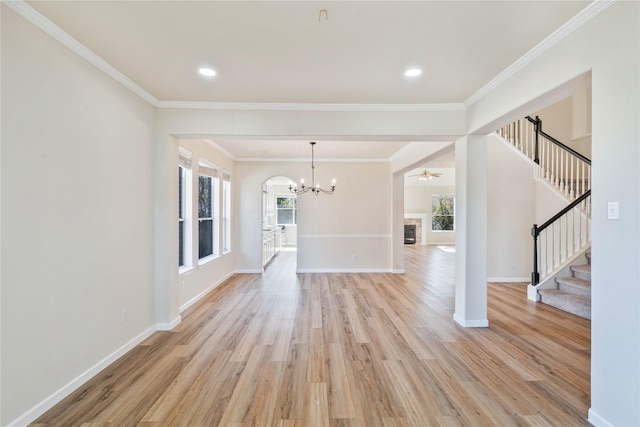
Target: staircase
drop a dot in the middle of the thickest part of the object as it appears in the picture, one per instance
(573, 294)
(560, 243)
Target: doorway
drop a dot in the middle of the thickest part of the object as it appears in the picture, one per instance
(279, 219)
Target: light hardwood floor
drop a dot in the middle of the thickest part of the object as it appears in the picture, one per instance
(282, 349)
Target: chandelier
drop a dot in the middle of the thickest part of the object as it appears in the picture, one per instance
(314, 188)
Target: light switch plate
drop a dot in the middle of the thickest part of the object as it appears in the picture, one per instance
(613, 210)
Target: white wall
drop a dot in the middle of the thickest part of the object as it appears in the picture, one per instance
(607, 47)
(196, 281)
(569, 121)
(77, 219)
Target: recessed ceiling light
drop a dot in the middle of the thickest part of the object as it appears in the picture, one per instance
(207, 72)
(413, 72)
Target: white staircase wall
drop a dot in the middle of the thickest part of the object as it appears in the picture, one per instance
(511, 208)
(548, 201)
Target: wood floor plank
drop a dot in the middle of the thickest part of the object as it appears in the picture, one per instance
(346, 350)
(316, 406)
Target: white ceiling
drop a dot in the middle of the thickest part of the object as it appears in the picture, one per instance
(291, 52)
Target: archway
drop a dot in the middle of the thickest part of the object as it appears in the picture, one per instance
(279, 219)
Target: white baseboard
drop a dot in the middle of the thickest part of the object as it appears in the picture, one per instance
(168, 326)
(49, 402)
(597, 420)
(398, 271)
(343, 270)
(508, 279)
(248, 271)
(201, 295)
(478, 323)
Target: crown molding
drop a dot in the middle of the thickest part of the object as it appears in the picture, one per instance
(306, 159)
(37, 19)
(307, 106)
(554, 38)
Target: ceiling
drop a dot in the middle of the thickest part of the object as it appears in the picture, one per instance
(310, 52)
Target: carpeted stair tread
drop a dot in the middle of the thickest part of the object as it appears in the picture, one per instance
(573, 285)
(581, 271)
(575, 304)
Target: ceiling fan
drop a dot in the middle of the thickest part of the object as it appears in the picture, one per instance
(425, 175)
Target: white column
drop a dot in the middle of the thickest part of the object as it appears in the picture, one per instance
(397, 223)
(471, 231)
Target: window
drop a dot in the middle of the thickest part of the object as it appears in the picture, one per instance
(184, 209)
(208, 207)
(226, 212)
(181, 206)
(442, 212)
(286, 210)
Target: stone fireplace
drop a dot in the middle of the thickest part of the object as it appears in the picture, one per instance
(417, 222)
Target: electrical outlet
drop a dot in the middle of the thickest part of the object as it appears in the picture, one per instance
(354, 257)
(125, 315)
(182, 285)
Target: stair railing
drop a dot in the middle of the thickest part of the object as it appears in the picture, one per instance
(569, 172)
(561, 166)
(562, 236)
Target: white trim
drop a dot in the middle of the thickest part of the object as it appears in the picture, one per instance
(343, 270)
(187, 154)
(186, 270)
(479, 323)
(508, 279)
(307, 106)
(588, 13)
(344, 236)
(169, 326)
(248, 271)
(57, 33)
(202, 294)
(289, 159)
(50, 401)
(209, 258)
(597, 420)
(398, 271)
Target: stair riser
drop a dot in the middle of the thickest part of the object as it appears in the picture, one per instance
(576, 290)
(582, 310)
(582, 275)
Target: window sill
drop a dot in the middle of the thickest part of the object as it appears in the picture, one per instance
(183, 271)
(206, 260)
(443, 231)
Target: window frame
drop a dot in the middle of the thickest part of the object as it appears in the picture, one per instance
(294, 209)
(452, 215)
(185, 197)
(226, 212)
(210, 172)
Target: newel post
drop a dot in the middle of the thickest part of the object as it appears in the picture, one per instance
(537, 125)
(535, 276)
